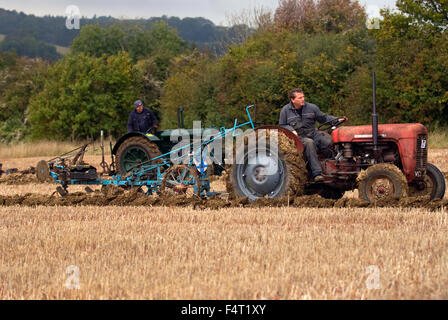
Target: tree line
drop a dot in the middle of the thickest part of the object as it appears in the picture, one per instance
(33, 36)
(326, 48)
(322, 46)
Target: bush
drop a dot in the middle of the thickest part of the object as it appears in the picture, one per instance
(84, 95)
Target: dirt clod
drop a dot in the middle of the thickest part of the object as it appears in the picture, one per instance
(118, 197)
(18, 179)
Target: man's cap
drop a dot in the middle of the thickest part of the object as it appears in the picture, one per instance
(138, 103)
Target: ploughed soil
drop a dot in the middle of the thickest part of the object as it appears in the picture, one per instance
(115, 196)
(19, 178)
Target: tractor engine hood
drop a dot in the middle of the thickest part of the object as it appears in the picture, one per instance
(410, 138)
(389, 132)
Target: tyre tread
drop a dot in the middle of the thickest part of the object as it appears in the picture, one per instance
(150, 147)
(296, 169)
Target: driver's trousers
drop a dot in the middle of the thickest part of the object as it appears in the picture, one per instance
(317, 140)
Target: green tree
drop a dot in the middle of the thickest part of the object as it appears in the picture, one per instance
(155, 68)
(83, 95)
(160, 40)
(95, 40)
(192, 86)
(21, 78)
(426, 11)
(29, 47)
(411, 60)
(262, 71)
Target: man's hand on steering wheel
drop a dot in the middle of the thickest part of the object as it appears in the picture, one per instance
(332, 124)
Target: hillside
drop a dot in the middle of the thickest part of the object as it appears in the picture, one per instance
(50, 30)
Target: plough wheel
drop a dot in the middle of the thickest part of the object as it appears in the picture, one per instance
(181, 179)
(42, 171)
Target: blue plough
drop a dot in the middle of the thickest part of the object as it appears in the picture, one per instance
(156, 175)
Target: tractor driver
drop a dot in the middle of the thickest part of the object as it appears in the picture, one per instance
(301, 116)
(141, 119)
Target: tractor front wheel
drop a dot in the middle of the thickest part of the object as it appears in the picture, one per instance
(432, 185)
(382, 181)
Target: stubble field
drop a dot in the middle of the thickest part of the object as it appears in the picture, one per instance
(174, 252)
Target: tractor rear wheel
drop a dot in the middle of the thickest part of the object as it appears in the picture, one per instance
(381, 181)
(271, 174)
(432, 185)
(135, 151)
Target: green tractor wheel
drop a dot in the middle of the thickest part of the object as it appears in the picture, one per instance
(135, 151)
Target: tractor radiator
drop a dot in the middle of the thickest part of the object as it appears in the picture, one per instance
(422, 152)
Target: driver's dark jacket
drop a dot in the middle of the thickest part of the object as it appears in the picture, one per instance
(303, 119)
(141, 122)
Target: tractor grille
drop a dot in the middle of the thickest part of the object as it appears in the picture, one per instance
(422, 152)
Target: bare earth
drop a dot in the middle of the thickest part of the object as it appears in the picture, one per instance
(235, 253)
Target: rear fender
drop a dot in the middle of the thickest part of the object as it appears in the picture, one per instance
(148, 136)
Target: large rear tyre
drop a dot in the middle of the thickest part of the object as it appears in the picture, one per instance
(382, 181)
(274, 173)
(133, 152)
(432, 185)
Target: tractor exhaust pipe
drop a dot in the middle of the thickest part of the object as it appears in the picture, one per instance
(374, 120)
(180, 118)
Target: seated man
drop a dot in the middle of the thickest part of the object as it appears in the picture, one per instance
(301, 116)
(141, 119)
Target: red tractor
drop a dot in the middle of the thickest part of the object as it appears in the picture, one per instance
(378, 160)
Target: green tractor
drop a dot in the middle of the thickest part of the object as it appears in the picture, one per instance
(135, 148)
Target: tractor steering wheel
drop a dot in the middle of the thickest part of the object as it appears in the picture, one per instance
(151, 130)
(332, 124)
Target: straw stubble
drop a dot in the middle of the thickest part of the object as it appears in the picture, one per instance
(237, 253)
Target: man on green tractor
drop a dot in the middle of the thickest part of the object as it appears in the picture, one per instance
(141, 119)
(301, 116)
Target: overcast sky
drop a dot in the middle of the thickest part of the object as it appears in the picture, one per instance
(218, 11)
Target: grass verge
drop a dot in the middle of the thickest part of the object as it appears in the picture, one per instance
(46, 148)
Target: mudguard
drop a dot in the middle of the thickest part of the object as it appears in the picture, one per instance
(149, 136)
